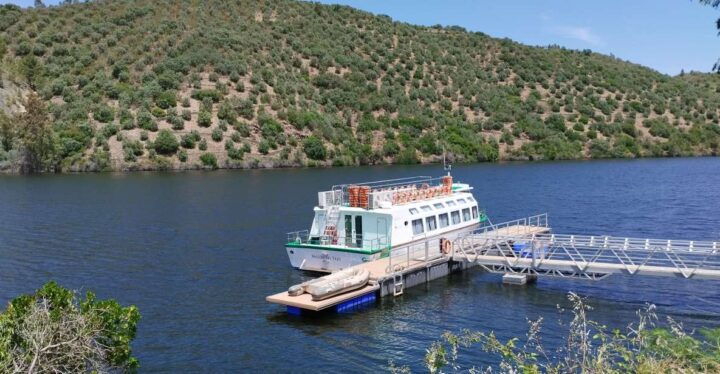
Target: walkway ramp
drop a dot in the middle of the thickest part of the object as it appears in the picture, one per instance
(589, 257)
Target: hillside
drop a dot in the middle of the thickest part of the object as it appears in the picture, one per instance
(286, 83)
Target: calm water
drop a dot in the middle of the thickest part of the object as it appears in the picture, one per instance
(198, 252)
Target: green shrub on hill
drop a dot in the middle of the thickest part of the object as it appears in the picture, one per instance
(209, 160)
(166, 143)
(314, 148)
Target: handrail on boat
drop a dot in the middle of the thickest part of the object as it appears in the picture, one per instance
(384, 190)
(539, 220)
(420, 178)
(304, 237)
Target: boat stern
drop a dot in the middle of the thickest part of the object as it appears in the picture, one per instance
(321, 255)
(328, 259)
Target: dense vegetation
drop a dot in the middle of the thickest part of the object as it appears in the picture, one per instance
(247, 83)
(589, 347)
(52, 331)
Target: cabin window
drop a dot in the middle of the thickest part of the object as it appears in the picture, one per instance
(455, 217)
(431, 223)
(358, 231)
(413, 211)
(439, 206)
(426, 208)
(450, 203)
(417, 225)
(475, 212)
(470, 199)
(466, 214)
(348, 229)
(461, 201)
(444, 221)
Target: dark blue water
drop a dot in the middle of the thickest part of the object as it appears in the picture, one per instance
(197, 253)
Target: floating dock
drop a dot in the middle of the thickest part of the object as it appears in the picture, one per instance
(306, 302)
(521, 250)
(408, 266)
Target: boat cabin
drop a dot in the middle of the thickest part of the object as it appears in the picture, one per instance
(376, 216)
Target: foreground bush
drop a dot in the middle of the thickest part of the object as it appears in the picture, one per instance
(589, 348)
(53, 331)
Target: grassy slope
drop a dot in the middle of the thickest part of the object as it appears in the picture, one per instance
(273, 73)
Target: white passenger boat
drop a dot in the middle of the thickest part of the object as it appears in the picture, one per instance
(360, 222)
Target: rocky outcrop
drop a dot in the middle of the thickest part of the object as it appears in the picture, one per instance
(12, 95)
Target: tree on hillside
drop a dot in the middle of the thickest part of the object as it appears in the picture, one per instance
(31, 68)
(53, 331)
(166, 143)
(714, 4)
(314, 148)
(36, 137)
(39, 4)
(7, 132)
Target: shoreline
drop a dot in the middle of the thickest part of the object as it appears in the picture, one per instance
(269, 166)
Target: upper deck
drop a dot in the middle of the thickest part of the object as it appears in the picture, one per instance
(388, 193)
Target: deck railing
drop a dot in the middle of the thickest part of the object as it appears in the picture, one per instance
(540, 220)
(380, 191)
(356, 241)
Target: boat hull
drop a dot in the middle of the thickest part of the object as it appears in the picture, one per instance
(327, 259)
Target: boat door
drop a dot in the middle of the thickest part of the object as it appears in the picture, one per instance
(353, 231)
(382, 231)
(358, 231)
(348, 230)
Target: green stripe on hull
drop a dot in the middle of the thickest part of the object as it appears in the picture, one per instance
(337, 249)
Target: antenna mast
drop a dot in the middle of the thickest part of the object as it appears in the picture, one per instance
(446, 166)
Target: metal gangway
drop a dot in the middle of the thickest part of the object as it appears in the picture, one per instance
(499, 249)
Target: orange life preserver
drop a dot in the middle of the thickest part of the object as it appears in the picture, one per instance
(446, 247)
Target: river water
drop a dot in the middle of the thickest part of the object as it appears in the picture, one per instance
(197, 252)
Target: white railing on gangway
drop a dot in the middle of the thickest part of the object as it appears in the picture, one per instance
(430, 249)
(421, 252)
(592, 257)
